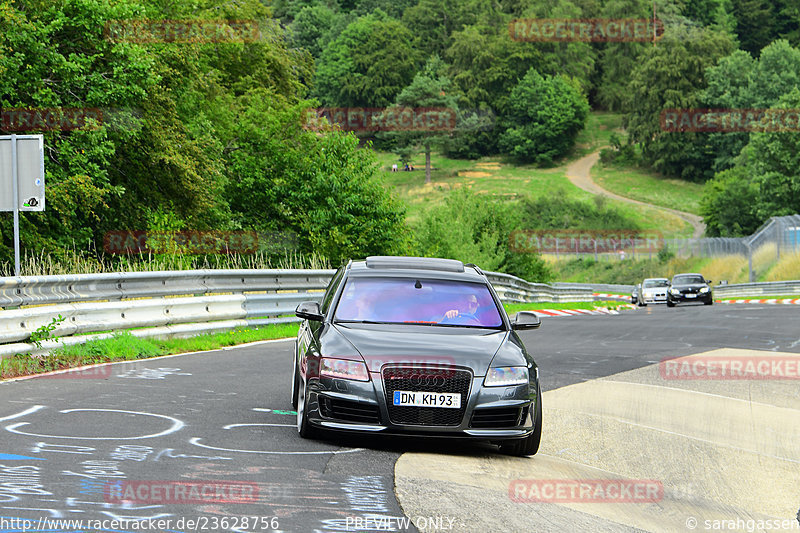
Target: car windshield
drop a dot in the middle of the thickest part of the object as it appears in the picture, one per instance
(652, 283)
(686, 280)
(418, 301)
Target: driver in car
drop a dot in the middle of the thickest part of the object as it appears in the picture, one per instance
(469, 312)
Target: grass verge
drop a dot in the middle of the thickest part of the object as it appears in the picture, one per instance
(125, 347)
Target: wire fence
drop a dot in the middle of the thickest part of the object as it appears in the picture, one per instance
(779, 235)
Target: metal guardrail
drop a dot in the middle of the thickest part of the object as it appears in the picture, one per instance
(598, 287)
(32, 290)
(186, 303)
(768, 288)
(159, 304)
(513, 289)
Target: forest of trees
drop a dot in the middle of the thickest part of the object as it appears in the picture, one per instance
(216, 137)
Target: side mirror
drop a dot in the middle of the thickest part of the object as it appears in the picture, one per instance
(708, 281)
(526, 320)
(309, 311)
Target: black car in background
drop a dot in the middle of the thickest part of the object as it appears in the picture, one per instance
(689, 288)
(416, 346)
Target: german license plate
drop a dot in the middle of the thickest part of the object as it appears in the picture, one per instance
(691, 295)
(426, 399)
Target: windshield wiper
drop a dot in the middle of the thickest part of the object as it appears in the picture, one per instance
(361, 322)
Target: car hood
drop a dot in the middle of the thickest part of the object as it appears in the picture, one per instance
(689, 286)
(424, 345)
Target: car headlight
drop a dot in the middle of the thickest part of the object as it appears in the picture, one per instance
(506, 375)
(674, 291)
(704, 289)
(343, 368)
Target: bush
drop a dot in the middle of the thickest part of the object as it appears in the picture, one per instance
(476, 229)
(544, 116)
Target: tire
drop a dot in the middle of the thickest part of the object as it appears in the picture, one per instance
(530, 444)
(709, 302)
(304, 428)
(295, 383)
(670, 304)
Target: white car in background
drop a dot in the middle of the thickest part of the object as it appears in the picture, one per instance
(653, 291)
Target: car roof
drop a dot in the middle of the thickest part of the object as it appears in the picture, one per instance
(416, 266)
(656, 279)
(688, 274)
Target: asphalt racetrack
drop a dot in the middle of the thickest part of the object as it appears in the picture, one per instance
(648, 425)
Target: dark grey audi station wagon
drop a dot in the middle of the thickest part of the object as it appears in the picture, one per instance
(416, 346)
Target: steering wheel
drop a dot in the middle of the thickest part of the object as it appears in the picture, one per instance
(462, 320)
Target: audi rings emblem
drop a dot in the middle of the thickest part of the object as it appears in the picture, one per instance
(418, 380)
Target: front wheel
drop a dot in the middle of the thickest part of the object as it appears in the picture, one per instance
(530, 444)
(709, 302)
(295, 383)
(304, 428)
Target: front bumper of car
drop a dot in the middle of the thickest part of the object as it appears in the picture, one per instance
(487, 413)
(654, 297)
(689, 296)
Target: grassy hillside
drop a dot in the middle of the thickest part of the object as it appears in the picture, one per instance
(500, 177)
(648, 187)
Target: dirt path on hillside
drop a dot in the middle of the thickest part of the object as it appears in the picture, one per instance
(579, 173)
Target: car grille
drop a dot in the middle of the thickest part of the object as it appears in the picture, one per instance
(426, 379)
(349, 411)
(498, 417)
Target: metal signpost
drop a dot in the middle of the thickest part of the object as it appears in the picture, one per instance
(21, 179)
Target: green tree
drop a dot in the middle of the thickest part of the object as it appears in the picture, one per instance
(776, 73)
(320, 185)
(430, 88)
(765, 182)
(618, 59)
(729, 203)
(544, 116)
(432, 22)
(311, 28)
(755, 23)
(670, 75)
(485, 65)
(368, 64)
(729, 87)
(740, 82)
